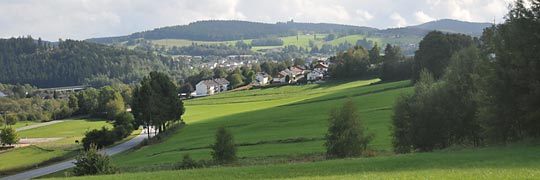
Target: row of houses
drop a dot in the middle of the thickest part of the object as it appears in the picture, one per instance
(295, 73)
(289, 75)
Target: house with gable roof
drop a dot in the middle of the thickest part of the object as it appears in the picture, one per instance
(211, 86)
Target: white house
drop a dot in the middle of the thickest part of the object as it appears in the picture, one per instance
(211, 86)
(321, 67)
(262, 78)
(297, 70)
(315, 75)
(281, 77)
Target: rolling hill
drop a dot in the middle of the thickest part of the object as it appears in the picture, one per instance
(227, 30)
(280, 132)
(231, 30)
(449, 25)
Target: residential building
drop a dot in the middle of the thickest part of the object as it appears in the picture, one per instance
(261, 78)
(211, 86)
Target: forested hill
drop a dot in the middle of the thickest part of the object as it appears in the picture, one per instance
(25, 60)
(444, 25)
(449, 25)
(217, 30)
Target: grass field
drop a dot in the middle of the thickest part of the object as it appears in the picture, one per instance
(300, 41)
(269, 115)
(263, 117)
(21, 124)
(511, 162)
(68, 131)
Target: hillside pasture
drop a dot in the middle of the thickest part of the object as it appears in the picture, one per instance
(272, 122)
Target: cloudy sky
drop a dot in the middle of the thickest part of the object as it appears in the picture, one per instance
(81, 19)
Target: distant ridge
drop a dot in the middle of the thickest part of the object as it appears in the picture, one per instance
(228, 30)
(455, 26)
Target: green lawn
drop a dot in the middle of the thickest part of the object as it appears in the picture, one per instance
(22, 124)
(511, 162)
(273, 114)
(68, 131)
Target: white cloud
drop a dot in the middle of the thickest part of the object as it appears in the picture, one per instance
(398, 19)
(422, 17)
(80, 19)
(364, 15)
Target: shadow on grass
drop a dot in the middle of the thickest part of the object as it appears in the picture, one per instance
(245, 120)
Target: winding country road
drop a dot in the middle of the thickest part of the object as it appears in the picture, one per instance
(69, 164)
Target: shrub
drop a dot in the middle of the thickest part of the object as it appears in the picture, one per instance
(224, 150)
(189, 163)
(91, 162)
(346, 137)
(9, 136)
(99, 138)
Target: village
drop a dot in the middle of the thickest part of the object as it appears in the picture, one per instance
(291, 75)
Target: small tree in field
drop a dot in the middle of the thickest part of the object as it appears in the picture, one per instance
(91, 162)
(224, 148)
(9, 136)
(346, 136)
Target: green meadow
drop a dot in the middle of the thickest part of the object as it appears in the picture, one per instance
(299, 41)
(503, 162)
(268, 118)
(67, 132)
(21, 124)
(280, 131)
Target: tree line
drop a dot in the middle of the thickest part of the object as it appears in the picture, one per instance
(358, 62)
(474, 92)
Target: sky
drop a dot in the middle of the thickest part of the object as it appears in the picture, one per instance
(82, 19)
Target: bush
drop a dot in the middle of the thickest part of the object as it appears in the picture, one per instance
(189, 163)
(9, 136)
(346, 137)
(99, 138)
(123, 125)
(91, 162)
(224, 150)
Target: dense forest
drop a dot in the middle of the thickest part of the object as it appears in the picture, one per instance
(25, 60)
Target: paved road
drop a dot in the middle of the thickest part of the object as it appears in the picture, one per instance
(47, 123)
(69, 164)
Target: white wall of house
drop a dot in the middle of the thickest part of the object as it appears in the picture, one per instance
(261, 79)
(201, 89)
(224, 87)
(277, 79)
(315, 75)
